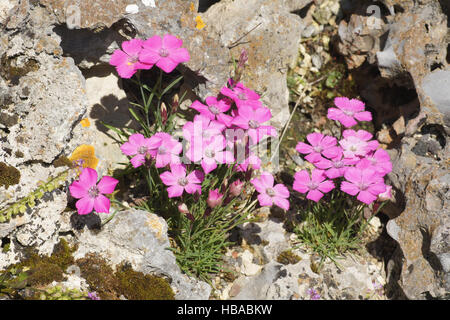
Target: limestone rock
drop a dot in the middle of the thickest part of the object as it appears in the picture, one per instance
(140, 238)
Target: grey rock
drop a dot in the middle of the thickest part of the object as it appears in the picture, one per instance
(140, 238)
(436, 87)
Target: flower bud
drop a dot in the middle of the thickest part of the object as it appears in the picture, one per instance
(214, 198)
(182, 208)
(236, 187)
(163, 113)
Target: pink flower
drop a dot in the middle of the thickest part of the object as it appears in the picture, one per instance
(178, 182)
(168, 150)
(139, 147)
(335, 167)
(242, 96)
(127, 61)
(381, 161)
(210, 153)
(214, 198)
(201, 129)
(320, 146)
(166, 53)
(270, 194)
(366, 183)
(315, 186)
(252, 120)
(356, 144)
(236, 187)
(214, 110)
(90, 194)
(347, 111)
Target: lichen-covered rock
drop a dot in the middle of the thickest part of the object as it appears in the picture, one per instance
(410, 96)
(354, 280)
(422, 227)
(271, 35)
(227, 31)
(140, 238)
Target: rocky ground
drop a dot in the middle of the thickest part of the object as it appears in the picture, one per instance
(53, 76)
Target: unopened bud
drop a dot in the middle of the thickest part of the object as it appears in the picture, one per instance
(236, 187)
(214, 198)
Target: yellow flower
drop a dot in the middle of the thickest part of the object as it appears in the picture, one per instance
(85, 123)
(200, 24)
(192, 7)
(87, 154)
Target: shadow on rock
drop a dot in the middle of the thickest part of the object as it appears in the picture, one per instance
(91, 221)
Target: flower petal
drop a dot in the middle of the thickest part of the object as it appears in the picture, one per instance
(101, 204)
(77, 190)
(107, 185)
(314, 195)
(85, 205)
(88, 178)
(281, 202)
(175, 191)
(264, 200)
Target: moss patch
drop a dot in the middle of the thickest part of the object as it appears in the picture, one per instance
(101, 278)
(9, 176)
(45, 269)
(125, 281)
(288, 257)
(137, 286)
(99, 275)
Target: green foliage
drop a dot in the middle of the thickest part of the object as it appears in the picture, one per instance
(201, 235)
(332, 226)
(21, 206)
(12, 280)
(59, 293)
(333, 79)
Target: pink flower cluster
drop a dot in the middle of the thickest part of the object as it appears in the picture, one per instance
(223, 132)
(166, 53)
(356, 158)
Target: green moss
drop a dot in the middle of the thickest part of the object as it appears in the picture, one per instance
(137, 286)
(6, 247)
(46, 269)
(99, 276)
(288, 257)
(133, 285)
(9, 176)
